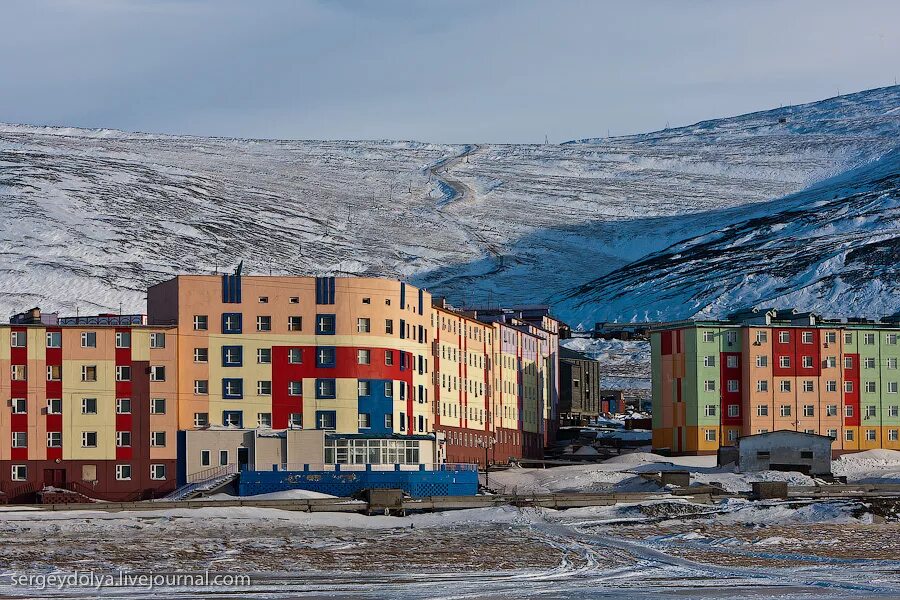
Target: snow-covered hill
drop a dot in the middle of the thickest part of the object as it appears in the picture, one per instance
(88, 218)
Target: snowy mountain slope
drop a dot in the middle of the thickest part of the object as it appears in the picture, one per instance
(89, 218)
(834, 248)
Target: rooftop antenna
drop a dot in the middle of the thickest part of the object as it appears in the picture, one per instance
(546, 140)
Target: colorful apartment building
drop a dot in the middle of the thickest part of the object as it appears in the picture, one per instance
(91, 406)
(767, 370)
(224, 366)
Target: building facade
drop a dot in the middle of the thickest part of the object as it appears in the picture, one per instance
(763, 371)
(579, 391)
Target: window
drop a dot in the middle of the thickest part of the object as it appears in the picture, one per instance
(157, 406)
(157, 339)
(54, 406)
(892, 363)
(388, 389)
(201, 355)
(295, 420)
(364, 421)
(89, 406)
(870, 435)
(731, 337)
(389, 326)
(807, 362)
(389, 358)
(848, 435)
(363, 325)
(123, 339)
(264, 323)
(325, 325)
(806, 337)
(710, 435)
(232, 356)
(123, 373)
(123, 472)
(233, 418)
(869, 339)
(201, 387)
(785, 410)
(17, 339)
(294, 300)
(710, 410)
(894, 410)
(734, 410)
(88, 373)
(325, 419)
(892, 435)
(54, 339)
(762, 410)
(848, 338)
(325, 388)
(223, 457)
(264, 419)
(123, 406)
(263, 388)
(870, 411)
(367, 301)
(19, 406)
(88, 339)
(762, 337)
(325, 357)
(734, 385)
(709, 336)
(157, 373)
(389, 422)
(848, 411)
(232, 323)
(784, 337)
(205, 458)
(363, 357)
(809, 410)
(263, 356)
(201, 419)
(807, 385)
(18, 372)
(54, 439)
(19, 473)
(709, 385)
(892, 387)
(732, 361)
(364, 388)
(830, 362)
(848, 362)
(785, 385)
(890, 338)
(784, 361)
(295, 356)
(158, 439)
(263, 299)
(762, 361)
(19, 439)
(762, 385)
(123, 439)
(54, 372)
(295, 388)
(233, 388)
(88, 439)
(831, 410)
(831, 385)
(732, 435)
(295, 323)
(869, 362)
(830, 337)
(848, 386)
(201, 322)
(832, 433)
(709, 361)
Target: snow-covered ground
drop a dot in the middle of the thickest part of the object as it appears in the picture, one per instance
(89, 218)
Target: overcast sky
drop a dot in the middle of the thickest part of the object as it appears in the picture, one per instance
(455, 71)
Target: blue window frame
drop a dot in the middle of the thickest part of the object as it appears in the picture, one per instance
(326, 357)
(233, 388)
(233, 417)
(325, 324)
(232, 323)
(326, 388)
(326, 419)
(232, 356)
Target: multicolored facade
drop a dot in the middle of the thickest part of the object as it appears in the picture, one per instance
(106, 405)
(762, 371)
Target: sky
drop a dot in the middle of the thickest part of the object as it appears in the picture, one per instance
(499, 71)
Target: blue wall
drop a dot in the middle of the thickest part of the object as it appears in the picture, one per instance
(377, 405)
(346, 483)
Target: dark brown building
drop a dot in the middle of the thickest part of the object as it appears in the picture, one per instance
(579, 387)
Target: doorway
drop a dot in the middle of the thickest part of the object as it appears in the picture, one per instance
(55, 477)
(243, 458)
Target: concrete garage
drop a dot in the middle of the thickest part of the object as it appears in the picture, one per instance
(780, 451)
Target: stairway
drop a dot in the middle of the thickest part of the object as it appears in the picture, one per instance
(205, 483)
